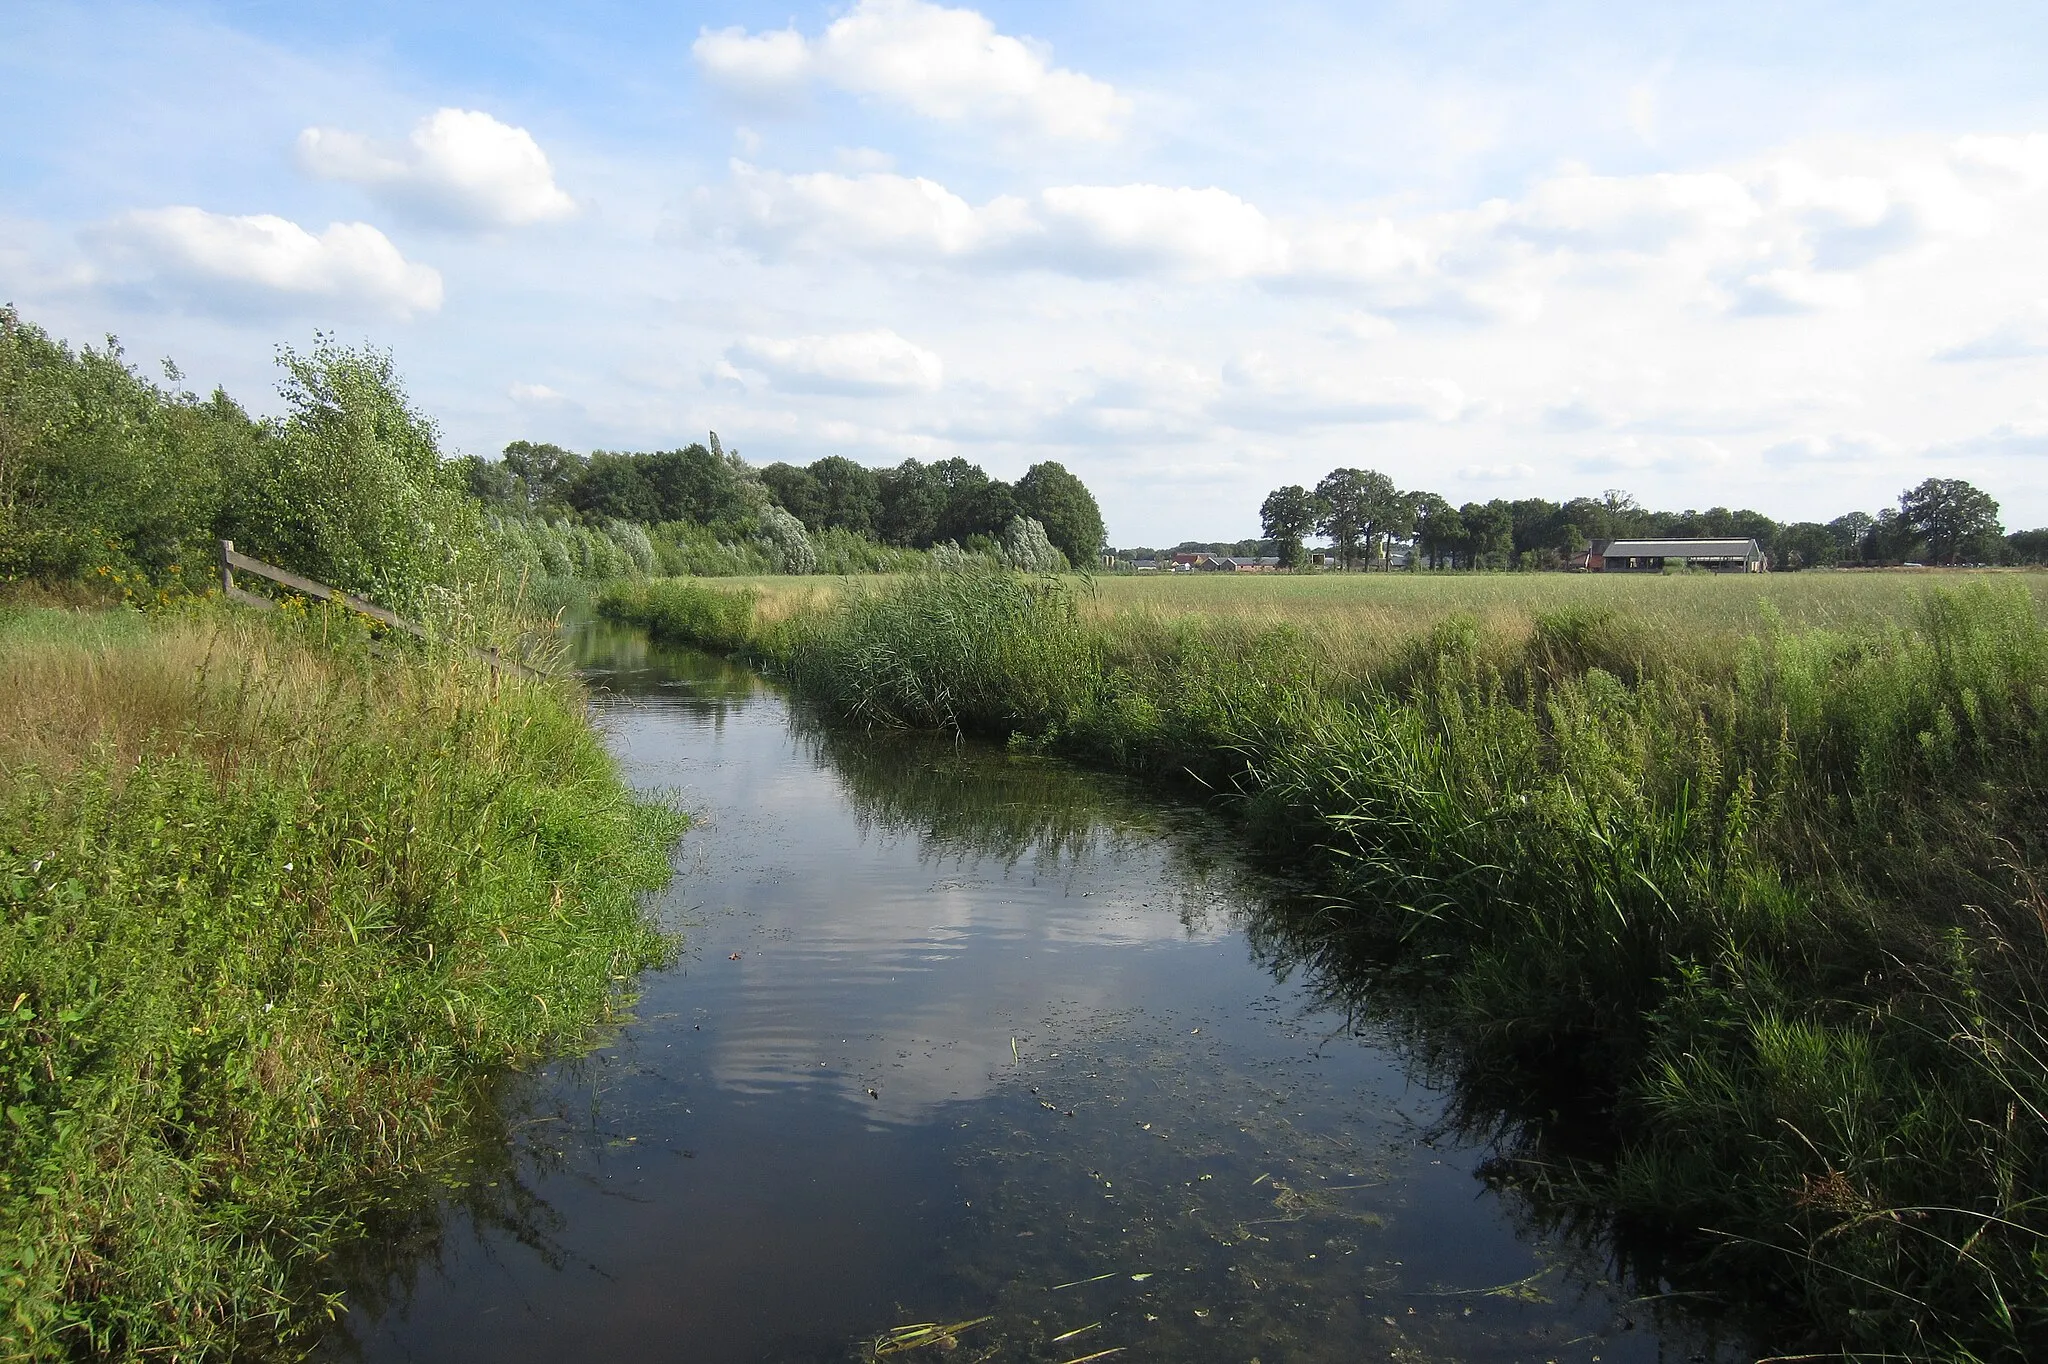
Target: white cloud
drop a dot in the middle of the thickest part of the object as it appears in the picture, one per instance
(535, 395)
(1135, 229)
(1085, 230)
(1842, 447)
(847, 362)
(231, 263)
(942, 63)
(458, 166)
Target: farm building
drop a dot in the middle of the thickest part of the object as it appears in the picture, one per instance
(1652, 556)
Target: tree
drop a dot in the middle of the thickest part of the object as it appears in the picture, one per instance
(1288, 515)
(1438, 528)
(913, 498)
(1891, 538)
(544, 471)
(1489, 532)
(796, 492)
(353, 491)
(1954, 518)
(1806, 544)
(2028, 546)
(785, 535)
(1062, 504)
(1026, 546)
(611, 488)
(1849, 532)
(690, 484)
(849, 494)
(1357, 504)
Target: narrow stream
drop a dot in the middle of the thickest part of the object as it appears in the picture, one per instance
(958, 1034)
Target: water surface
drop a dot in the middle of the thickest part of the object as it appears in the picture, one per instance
(962, 1034)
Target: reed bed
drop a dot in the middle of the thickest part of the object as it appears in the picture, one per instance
(275, 907)
(1752, 874)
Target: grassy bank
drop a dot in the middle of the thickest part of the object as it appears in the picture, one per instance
(1762, 893)
(274, 907)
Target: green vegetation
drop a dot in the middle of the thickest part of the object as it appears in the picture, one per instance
(273, 907)
(702, 511)
(1766, 896)
(107, 477)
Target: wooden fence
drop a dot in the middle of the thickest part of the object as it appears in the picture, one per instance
(232, 559)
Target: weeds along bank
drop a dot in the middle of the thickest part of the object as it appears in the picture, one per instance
(273, 909)
(1769, 899)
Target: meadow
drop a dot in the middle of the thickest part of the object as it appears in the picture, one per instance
(276, 902)
(1744, 873)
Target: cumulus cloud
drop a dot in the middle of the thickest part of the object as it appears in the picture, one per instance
(459, 166)
(217, 261)
(535, 395)
(848, 362)
(1087, 230)
(947, 64)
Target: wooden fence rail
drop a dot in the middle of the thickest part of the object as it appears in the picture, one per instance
(232, 559)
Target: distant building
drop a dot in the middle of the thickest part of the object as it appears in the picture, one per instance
(1652, 556)
(1146, 565)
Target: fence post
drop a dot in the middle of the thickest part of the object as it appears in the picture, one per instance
(227, 570)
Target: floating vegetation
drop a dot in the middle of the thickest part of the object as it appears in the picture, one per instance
(903, 1339)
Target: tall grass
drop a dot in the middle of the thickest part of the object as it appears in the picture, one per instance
(270, 906)
(1766, 898)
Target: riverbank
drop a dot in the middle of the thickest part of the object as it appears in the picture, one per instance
(276, 906)
(1766, 905)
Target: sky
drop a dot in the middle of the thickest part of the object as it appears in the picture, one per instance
(1790, 256)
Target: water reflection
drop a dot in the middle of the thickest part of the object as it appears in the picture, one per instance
(959, 1034)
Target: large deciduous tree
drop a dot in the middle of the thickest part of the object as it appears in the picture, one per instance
(1438, 528)
(1955, 518)
(1359, 506)
(1060, 502)
(1289, 515)
(850, 495)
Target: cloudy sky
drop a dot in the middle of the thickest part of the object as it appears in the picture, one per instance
(1785, 255)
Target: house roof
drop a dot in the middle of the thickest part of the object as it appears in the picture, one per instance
(1682, 549)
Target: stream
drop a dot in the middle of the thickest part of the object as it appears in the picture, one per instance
(957, 1034)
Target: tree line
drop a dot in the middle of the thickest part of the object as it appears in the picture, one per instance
(111, 476)
(1365, 517)
(915, 505)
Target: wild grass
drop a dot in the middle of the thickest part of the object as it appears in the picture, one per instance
(1753, 873)
(271, 906)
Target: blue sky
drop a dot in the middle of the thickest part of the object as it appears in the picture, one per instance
(1786, 256)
